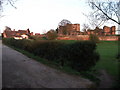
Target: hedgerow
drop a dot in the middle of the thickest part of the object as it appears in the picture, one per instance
(94, 38)
(80, 55)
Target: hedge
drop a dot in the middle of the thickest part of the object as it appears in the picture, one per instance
(80, 55)
(94, 38)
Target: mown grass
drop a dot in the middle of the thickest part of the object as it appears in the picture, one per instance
(108, 51)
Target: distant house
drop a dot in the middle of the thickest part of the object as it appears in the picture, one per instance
(20, 34)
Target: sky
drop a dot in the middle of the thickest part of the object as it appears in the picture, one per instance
(42, 15)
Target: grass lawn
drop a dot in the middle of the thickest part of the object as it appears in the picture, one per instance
(108, 51)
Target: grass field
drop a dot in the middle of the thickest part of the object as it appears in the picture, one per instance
(108, 51)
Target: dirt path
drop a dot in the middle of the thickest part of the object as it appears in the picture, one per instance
(107, 81)
(20, 71)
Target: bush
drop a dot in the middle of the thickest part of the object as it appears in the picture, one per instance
(47, 49)
(80, 55)
(11, 42)
(36, 37)
(21, 44)
(94, 38)
(52, 35)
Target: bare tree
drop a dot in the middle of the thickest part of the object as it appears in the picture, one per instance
(52, 34)
(85, 27)
(106, 9)
(64, 22)
(93, 21)
(6, 2)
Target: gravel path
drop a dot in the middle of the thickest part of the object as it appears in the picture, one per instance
(20, 71)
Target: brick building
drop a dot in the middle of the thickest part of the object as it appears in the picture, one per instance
(20, 34)
(74, 29)
(90, 32)
(69, 29)
(97, 31)
(105, 31)
(109, 30)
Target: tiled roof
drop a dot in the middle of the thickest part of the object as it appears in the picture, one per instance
(15, 33)
(8, 33)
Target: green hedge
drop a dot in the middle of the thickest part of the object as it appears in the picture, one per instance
(83, 55)
(80, 55)
(94, 38)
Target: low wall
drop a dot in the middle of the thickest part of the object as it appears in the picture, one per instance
(86, 37)
(108, 38)
(78, 37)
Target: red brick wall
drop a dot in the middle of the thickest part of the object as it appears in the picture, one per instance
(106, 30)
(113, 28)
(76, 27)
(108, 38)
(77, 37)
(86, 37)
(109, 30)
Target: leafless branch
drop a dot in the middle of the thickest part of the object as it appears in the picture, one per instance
(105, 13)
(6, 2)
(93, 21)
(11, 3)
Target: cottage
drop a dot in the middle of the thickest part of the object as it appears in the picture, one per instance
(20, 34)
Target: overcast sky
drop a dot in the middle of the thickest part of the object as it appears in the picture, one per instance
(42, 15)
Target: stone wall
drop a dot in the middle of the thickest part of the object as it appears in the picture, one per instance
(86, 37)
